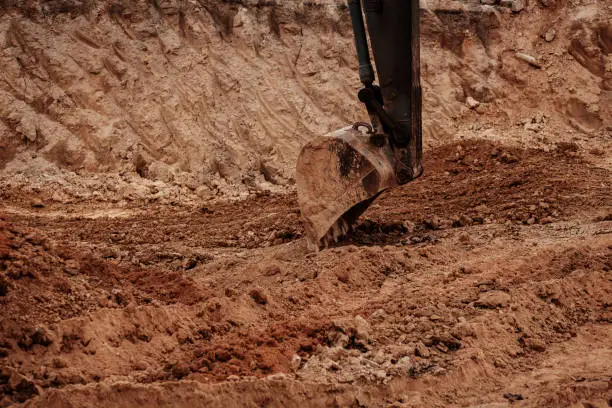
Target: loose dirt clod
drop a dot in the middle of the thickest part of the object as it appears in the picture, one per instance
(493, 299)
(259, 296)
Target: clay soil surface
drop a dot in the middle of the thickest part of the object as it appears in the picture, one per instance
(151, 248)
(487, 282)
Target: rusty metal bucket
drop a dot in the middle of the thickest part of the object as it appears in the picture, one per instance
(338, 176)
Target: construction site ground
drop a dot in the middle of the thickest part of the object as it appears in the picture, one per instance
(486, 281)
(151, 247)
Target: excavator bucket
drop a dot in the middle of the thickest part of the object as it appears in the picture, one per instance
(338, 176)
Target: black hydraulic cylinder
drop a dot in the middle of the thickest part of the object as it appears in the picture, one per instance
(366, 72)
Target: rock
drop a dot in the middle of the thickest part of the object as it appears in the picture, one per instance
(409, 226)
(342, 340)
(493, 299)
(517, 6)
(277, 377)
(438, 371)
(37, 203)
(333, 366)
(337, 353)
(535, 344)
(380, 357)
(546, 220)
(463, 330)
(488, 2)
(508, 158)
(295, 363)
(550, 35)
(379, 314)
(421, 350)
(118, 296)
(471, 102)
(405, 362)
(528, 59)
(59, 362)
(362, 328)
(380, 374)
(500, 363)
(204, 192)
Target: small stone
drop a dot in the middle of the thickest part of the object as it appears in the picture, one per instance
(421, 350)
(442, 347)
(535, 344)
(472, 103)
(438, 371)
(296, 361)
(343, 275)
(550, 35)
(435, 317)
(277, 377)
(342, 340)
(499, 363)
(362, 328)
(59, 362)
(379, 314)
(517, 6)
(233, 378)
(409, 226)
(37, 203)
(463, 330)
(528, 59)
(380, 374)
(405, 362)
(493, 299)
(433, 222)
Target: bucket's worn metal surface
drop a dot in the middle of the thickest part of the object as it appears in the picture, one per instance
(338, 176)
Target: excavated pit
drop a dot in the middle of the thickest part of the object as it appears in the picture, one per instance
(151, 250)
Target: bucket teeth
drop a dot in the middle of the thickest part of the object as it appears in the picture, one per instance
(335, 233)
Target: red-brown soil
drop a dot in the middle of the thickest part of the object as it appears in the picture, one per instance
(455, 289)
(151, 248)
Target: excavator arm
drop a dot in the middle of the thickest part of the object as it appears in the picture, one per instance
(340, 174)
